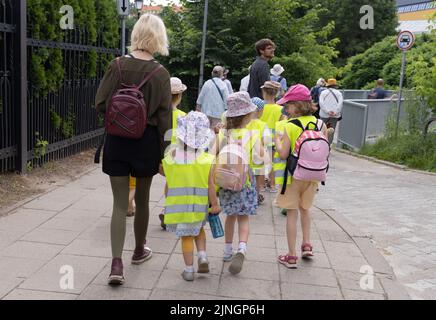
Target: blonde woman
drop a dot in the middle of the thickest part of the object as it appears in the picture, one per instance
(139, 158)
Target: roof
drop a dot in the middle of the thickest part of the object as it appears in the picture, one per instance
(401, 3)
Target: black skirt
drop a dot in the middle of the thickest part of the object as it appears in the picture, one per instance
(138, 158)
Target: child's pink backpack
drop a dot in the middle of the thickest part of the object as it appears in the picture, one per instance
(231, 168)
(310, 159)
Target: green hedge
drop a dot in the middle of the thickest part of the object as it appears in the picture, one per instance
(46, 64)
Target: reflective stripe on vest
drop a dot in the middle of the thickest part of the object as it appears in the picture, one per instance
(175, 192)
(183, 208)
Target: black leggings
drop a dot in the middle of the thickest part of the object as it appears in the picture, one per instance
(120, 191)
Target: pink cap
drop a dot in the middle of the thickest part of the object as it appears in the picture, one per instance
(298, 92)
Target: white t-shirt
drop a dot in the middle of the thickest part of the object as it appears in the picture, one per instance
(330, 100)
(244, 83)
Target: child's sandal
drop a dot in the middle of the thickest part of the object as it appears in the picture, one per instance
(306, 250)
(288, 261)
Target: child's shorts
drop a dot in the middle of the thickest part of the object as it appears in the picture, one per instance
(298, 194)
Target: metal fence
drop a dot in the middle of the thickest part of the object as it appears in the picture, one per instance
(29, 134)
(364, 121)
(359, 94)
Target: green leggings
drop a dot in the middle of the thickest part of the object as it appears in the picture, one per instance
(120, 191)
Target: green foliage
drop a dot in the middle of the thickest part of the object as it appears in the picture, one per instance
(40, 147)
(56, 120)
(304, 48)
(68, 125)
(346, 15)
(47, 64)
(383, 60)
(411, 150)
(364, 68)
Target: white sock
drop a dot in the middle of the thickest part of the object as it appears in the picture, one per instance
(202, 254)
(242, 247)
(228, 248)
(189, 268)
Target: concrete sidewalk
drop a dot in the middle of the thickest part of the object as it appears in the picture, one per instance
(67, 230)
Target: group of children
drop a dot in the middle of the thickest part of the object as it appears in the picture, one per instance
(267, 138)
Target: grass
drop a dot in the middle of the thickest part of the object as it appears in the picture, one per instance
(413, 151)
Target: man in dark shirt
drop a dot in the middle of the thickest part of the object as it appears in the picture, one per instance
(260, 70)
(378, 92)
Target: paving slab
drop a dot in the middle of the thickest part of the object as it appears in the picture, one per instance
(70, 227)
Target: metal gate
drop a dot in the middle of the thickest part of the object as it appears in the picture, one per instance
(28, 135)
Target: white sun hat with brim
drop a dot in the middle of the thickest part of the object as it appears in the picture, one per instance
(194, 130)
(177, 86)
(239, 104)
(277, 70)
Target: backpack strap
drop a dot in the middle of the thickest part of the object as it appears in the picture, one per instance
(336, 98)
(297, 122)
(149, 76)
(118, 63)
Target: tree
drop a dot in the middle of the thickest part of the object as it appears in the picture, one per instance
(347, 18)
(304, 47)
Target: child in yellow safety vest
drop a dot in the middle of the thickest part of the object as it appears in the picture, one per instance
(177, 89)
(272, 113)
(299, 196)
(190, 189)
(265, 134)
(240, 205)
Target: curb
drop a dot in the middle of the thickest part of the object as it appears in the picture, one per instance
(8, 210)
(382, 269)
(386, 163)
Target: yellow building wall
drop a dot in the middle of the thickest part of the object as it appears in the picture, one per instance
(418, 15)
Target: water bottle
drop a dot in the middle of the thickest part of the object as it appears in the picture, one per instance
(216, 226)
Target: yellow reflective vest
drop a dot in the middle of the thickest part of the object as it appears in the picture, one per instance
(294, 132)
(176, 114)
(259, 126)
(279, 165)
(271, 115)
(187, 200)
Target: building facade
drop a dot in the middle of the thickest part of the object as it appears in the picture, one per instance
(413, 15)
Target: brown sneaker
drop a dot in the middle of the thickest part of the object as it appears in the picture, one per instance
(237, 262)
(141, 255)
(116, 276)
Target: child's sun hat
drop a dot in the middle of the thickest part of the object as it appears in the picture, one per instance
(239, 104)
(298, 92)
(193, 129)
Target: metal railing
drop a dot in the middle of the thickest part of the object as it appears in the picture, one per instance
(38, 127)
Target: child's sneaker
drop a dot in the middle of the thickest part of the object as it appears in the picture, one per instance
(306, 251)
(227, 257)
(237, 262)
(187, 275)
(203, 265)
(288, 261)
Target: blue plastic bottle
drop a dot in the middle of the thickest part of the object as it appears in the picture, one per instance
(216, 226)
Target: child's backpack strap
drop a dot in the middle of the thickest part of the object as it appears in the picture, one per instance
(297, 122)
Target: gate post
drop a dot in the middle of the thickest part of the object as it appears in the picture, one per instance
(20, 83)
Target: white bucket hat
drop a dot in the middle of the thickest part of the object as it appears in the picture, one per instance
(277, 70)
(193, 129)
(177, 86)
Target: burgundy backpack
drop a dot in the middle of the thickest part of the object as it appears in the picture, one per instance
(126, 112)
